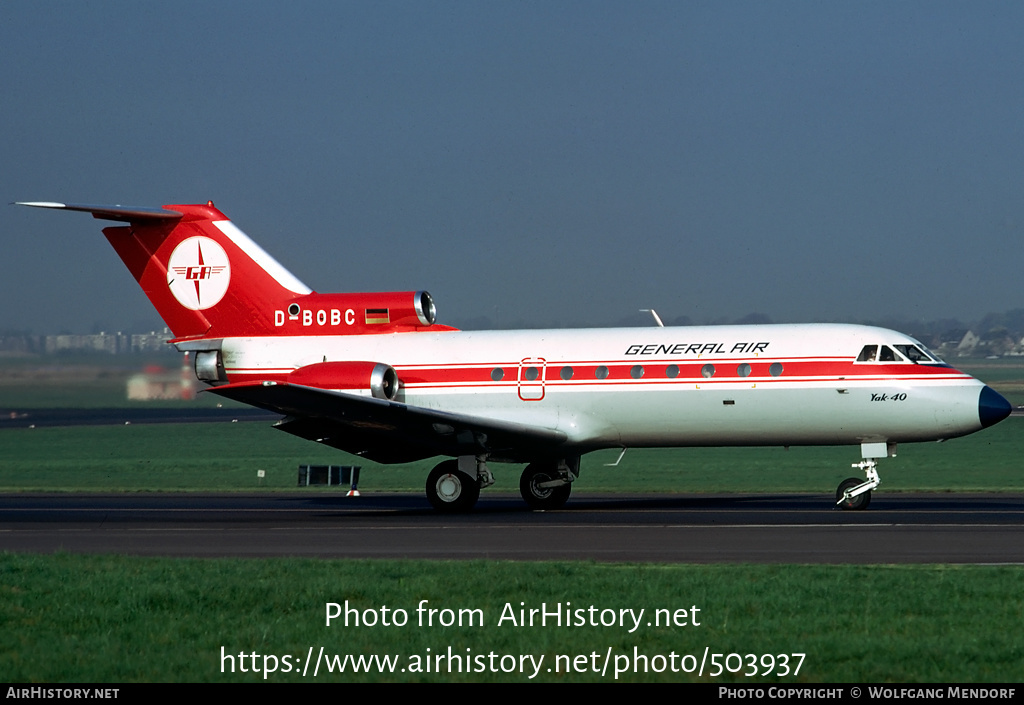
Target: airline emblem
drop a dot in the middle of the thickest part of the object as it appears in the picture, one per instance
(198, 273)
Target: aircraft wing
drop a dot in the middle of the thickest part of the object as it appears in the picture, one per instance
(389, 431)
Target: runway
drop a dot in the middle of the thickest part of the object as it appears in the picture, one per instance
(797, 528)
(117, 416)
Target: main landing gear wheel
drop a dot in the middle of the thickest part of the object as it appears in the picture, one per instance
(861, 501)
(450, 490)
(539, 487)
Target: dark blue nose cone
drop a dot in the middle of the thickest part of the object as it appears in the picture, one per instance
(992, 407)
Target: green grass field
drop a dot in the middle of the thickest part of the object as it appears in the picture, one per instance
(116, 619)
(227, 456)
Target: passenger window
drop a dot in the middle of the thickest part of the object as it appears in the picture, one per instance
(672, 371)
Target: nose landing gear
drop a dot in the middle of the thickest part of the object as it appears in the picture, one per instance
(854, 494)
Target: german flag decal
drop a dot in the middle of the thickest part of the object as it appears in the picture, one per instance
(377, 315)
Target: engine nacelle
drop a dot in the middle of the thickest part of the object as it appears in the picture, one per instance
(367, 378)
(396, 308)
(340, 314)
(209, 366)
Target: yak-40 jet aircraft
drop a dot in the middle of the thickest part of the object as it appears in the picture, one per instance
(374, 375)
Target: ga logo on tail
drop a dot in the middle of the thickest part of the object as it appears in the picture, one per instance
(198, 273)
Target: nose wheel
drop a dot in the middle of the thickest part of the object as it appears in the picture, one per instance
(854, 494)
(845, 500)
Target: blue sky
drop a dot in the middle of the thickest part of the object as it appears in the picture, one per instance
(541, 163)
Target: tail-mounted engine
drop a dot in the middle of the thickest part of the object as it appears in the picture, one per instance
(343, 314)
(373, 379)
(210, 367)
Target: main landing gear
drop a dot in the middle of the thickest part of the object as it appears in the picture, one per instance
(450, 490)
(547, 485)
(453, 486)
(854, 494)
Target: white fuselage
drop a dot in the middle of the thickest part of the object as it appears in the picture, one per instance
(770, 384)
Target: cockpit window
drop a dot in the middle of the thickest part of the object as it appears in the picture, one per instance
(868, 354)
(915, 354)
(897, 353)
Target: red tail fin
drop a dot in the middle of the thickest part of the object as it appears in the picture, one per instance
(205, 277)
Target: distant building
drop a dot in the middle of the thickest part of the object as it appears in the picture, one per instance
(21, 344)
(151, 342)
(968, 344)
(156, 382)
(112, 343)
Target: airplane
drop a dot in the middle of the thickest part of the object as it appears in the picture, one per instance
(375, 375)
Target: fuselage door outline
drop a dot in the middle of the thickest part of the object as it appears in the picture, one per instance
(530, 381)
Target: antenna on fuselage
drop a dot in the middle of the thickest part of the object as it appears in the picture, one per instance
(657, 318)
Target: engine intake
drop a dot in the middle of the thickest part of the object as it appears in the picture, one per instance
(425, 309)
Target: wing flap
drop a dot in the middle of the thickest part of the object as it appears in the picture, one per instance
(388, 431)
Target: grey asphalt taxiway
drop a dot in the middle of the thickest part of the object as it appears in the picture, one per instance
(898, 528)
